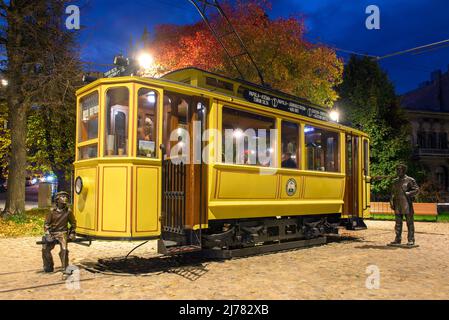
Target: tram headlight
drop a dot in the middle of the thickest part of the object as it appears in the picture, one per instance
(334, 116)
(78, 185)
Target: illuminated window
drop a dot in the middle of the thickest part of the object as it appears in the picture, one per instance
(322, 147)
(290, 145)
(248, 139)
(117, 110)
(88, 129)
(146, 123)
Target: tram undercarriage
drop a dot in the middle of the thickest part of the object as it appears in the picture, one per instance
(268, 234)
(251, 232)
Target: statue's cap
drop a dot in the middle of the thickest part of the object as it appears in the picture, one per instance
(62, 193)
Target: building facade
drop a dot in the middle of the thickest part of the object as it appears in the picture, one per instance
(427, 108)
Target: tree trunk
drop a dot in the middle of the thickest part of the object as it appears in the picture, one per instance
(15, 197)
(64, 184)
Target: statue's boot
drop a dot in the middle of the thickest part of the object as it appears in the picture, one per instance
(396, 241)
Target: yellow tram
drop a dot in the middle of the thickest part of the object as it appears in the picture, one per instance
(128, 186)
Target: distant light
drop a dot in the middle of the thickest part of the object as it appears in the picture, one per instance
(34, 181)
(271, 150)
(50, 178)
(4, 82)
(334, 116)
(145, 60)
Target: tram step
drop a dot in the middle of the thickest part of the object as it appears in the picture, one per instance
(172, 248)
(183, 249)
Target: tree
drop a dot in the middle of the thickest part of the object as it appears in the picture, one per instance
(287, 61)
(39, 65)
(368, 102)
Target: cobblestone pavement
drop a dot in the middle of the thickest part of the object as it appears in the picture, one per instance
(337, 270)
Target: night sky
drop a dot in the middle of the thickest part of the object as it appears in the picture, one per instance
(109, 25)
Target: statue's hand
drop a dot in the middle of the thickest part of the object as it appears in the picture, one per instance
(48, 237)
(72, 236)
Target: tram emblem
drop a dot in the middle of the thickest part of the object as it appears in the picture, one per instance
(291, 187)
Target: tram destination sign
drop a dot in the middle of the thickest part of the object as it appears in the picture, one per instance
(284, 105)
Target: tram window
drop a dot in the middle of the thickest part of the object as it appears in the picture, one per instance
(88, 152)
(176, 124)
(247, 138)
(322, 147)
(146, 123)
(290, 143)
(117, 109)
(89, 117)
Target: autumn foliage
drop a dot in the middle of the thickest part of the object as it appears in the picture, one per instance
(288, 62)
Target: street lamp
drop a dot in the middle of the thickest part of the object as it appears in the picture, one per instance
(4, 82)
(334, 115)
(145, 60)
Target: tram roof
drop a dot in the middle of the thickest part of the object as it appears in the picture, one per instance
(197, 81)
(185, 71)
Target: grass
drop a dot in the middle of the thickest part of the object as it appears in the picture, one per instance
(442, 217)
(30, 223)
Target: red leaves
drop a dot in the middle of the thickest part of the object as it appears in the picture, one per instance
(288, 62)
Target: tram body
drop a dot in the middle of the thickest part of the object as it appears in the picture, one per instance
(127, 187)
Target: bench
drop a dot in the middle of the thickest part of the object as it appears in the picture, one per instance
(421, 209)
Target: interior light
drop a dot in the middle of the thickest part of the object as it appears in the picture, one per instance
(151, 97)
(238, 133)
(309, 129)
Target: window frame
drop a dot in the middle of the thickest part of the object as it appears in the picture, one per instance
(128, 121)
(225, 105)
(338, 147)
(89, 142)
(157, 107)
(299, 148)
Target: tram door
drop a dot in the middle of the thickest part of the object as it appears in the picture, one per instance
(351, 207)
(183, 174)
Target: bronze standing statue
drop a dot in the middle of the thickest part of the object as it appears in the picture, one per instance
(57, 231)
(403, 190)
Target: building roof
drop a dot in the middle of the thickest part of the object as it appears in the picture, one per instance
(432, 95)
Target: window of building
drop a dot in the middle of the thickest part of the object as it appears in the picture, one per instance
(290, 145)
(248, 138)
(146, 123)
(421, 139)
(323, 152)
(88, 129)
(432, 140)
(117, 111)
(443, 140)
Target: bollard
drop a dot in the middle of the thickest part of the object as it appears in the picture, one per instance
(44, 195)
